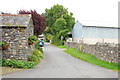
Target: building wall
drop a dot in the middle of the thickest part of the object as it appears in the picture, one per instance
(17, 38)
(92, 35)
(77, 31)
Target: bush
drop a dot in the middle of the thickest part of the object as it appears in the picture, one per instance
(38, 53)
(36, 56)
(18, 64)
(38, 47)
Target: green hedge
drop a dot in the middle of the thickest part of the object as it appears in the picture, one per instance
(36, 56)
(18, 64)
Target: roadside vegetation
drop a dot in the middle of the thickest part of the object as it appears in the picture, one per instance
(33, 60)
(62, 46)
(92, 59)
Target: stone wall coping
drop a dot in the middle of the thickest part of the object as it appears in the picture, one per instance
(108, 44)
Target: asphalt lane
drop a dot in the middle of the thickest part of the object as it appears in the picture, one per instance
(58, 64)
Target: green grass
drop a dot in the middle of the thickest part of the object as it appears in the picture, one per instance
(92, 59)
(62, 46)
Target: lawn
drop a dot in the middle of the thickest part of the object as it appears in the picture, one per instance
(91, 59)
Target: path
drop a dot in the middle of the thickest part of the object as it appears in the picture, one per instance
(58, 64)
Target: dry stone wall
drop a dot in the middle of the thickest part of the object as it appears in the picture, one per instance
(103, 51)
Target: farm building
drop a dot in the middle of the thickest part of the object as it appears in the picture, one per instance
(100, 41)
(94, 34)
(15, 30)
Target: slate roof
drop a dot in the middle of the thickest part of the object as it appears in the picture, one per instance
(13, 20)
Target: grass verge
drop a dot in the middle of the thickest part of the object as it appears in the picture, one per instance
(62, 46)
(92, 59)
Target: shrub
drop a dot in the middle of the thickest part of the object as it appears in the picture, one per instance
(29, 64)
(32, 39)
(36, 56)
(18, 64)
(38, 47)
(37, 53)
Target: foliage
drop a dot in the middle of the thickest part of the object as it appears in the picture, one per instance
(38, 53)
(92, 59)
(38, 21)
(59, 22)
(32, 39)
(49, 37)
(56, 41)
(36, 56)
(18, 64)
(3, 43)
(62, 46)
(38, 47)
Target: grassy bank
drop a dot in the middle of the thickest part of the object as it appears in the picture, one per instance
(92, 59)
(62, 46)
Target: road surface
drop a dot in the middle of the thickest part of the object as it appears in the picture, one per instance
(58, 64)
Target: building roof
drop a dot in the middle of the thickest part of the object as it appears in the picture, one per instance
(14, 20)
(97, 24)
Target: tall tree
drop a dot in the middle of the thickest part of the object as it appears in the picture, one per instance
(38, 21)
(59, 21)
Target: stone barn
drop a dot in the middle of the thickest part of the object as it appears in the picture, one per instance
(15, 30)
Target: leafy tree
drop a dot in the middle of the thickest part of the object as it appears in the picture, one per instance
(59, 21)
(49, 37)
(38, 21)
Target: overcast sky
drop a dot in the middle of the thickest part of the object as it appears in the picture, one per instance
(88, 12)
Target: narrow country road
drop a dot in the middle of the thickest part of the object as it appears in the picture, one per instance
(58, 64)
